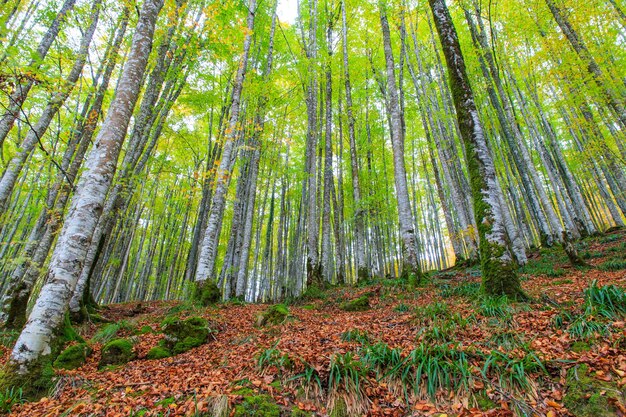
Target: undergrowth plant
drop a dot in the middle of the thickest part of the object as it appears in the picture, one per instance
(429, 368)
(495, 307)
(432, 311)
(9, 398)
(380, 358)
(309, 379)
(609, 300)
(466, 289)
(356, 335)
(273, 357)
(346, 372)
(111, 330)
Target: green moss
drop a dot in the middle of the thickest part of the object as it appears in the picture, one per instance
(158, 352)
(588, 397)
(183, 335)
(276, 314)
(67, 333)
(483, 402)
(244, 392)
(117, 352)
(207, 293)
(186, 344)
(73, 356)
(36, 380)
(296, 412)
(34, 384)
(313, 293)
(257, 406)
(358, 304)
(145, 330)
(580, 346)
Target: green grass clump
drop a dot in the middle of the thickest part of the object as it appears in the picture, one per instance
(433, 311)
(613, 264)
(273, 357)
(586, 326)
(356, 335)
(514, 375)
(380, 358)
(110, 331)
(401, 308)
(609, 239)
(309, 378)
(508, 340)
(347, 372)
(429, 368)
(442, 332)
(10, 397)
(495, 307)
(609, 300)
(8, 337)
(467, 289)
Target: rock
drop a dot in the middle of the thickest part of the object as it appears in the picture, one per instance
(73, 356)
(117, 352)
(182, 335)
(158, 352)
(358, 304)
(276, 314)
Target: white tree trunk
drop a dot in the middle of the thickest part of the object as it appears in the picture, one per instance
(208, 250)
(70, 251)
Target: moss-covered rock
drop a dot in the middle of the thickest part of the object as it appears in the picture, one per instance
(117, 352)
(276, 314)
(358, 304)
(73, 356)
(586, 396)
(158, 352)
(182, 335)
(207, 292)
(257, 406)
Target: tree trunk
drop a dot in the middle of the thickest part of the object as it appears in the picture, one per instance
(410, 258)
(34, 343)
(499, 272)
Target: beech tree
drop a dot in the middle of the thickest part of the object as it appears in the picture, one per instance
(36, 341)
(499, 272)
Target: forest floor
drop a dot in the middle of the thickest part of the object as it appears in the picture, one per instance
(562, 354)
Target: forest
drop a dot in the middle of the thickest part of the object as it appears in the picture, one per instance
(302, 208)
